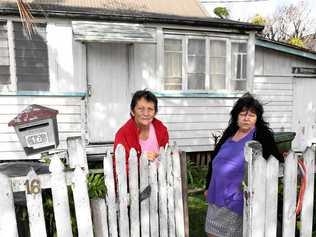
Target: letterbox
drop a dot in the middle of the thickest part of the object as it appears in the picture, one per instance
(36, 128)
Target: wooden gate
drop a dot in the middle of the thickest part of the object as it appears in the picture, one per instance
(146, 203)
(261, 183)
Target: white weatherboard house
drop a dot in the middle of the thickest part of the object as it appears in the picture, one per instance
(88, 57)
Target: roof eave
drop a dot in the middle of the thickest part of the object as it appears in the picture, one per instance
(285, 49)
(138, 18)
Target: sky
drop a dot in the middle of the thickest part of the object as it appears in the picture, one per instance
(245, 9)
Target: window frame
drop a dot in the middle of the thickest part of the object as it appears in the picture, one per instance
(228, 61)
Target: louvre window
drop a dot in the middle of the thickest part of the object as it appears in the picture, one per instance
(27, 57)
(31, 59)
(173, 64)
(4, 55)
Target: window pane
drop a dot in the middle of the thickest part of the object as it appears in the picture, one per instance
(196, 64)
(173, 45)
(4, 55)
(239, 61)
(217, 64)
(31, 58)
(217, 48)
(173, 64)
(196, 47)
(238, 85)
(217, 82)
(196, 81)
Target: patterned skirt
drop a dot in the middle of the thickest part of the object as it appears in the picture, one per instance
(222, 222)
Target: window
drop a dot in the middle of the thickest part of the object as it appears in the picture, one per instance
(239, 66)
(173, 64)
(202, 64)
(217, 64)
(4, 55)
(30, 57)
(196, 64)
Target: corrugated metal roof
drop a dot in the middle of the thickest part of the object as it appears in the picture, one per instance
(190, 8)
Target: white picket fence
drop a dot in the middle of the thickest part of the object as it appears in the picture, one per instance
(149, 204)
(261, 193)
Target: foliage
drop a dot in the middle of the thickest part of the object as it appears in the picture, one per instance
(288, 21)
(196, 175)
(221, 12)
(197, 213)
(258, 20)
(96, 186)
(296, 42)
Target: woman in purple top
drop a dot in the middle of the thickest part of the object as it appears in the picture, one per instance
(226, 171)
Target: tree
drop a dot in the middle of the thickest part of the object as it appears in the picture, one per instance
(289, 23)
(221, 12)
(297, 42)
(258, 20)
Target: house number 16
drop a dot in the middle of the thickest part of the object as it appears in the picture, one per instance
(33, 187)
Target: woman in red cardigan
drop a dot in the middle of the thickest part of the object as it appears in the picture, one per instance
(143, 131)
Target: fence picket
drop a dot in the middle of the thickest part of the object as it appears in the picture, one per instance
(153, 201)
(76, 152)
(170, 193)
(8, 224)
(163, 218)
(134, 193)
(82, 203)
(271, 197)
(179, 219)
(60, 198)
(289, 195)
(99, 217)
(110, 194)
(34, 205)
(308, 201)
(122, 190)
(144, 204)
(257, 187)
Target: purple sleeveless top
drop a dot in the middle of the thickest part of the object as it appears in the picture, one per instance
(227, 175)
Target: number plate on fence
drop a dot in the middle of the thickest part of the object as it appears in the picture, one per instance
(37, 140)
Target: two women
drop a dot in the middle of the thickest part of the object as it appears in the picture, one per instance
(226, 171)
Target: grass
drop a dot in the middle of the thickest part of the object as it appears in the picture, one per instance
(197, 212)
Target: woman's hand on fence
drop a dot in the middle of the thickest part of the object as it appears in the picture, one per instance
(285, 154)
(151, 155)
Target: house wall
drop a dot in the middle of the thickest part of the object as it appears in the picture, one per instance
(66, 89)
(69, 120)
(274, 84)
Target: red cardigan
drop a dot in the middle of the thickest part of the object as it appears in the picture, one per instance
(128, 136)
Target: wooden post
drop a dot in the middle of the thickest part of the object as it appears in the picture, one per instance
(184, 179)
(289, 195)
(134, 193)
(60, 198)
(77, 154)
(254, 207)
(99, 216)
(34, 204)
(110, 194)
(163, 212)
(8, 224)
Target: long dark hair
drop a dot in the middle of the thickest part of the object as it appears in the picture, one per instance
(246, 102)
